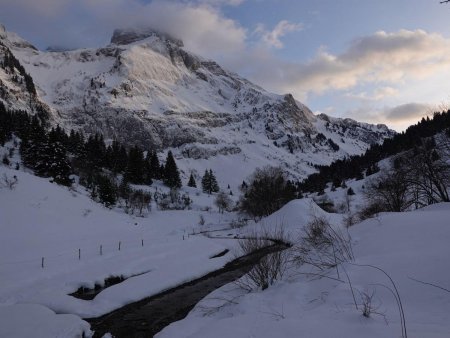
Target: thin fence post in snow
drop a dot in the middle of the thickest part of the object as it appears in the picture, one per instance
(119, 245)
(101, 249)
(79, 254)
(42, 263)
(142, 242)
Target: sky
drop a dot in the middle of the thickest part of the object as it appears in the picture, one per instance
(378, 61)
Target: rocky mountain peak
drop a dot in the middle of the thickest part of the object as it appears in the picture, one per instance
(2, 32)
(130, 35)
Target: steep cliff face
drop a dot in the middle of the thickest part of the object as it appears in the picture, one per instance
(144, 88)
(17, 88)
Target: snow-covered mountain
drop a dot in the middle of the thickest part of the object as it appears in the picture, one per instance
(145, 88)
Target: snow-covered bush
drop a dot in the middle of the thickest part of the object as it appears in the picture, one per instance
(8, 182)
(173, 200)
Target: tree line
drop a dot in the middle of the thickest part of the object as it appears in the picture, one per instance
(54, 153)
(358, 166)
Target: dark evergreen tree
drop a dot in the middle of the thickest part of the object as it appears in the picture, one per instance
(117, 157)
(209, 182)
(94, 152)
(155, 167)
(171, 173)
(214, 185)
(106, 190)
(192, 182)
(135, 172)
(206, 182)
(47, 159)
(148, 173)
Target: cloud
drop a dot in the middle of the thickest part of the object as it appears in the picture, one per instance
(382, 59)
(398, 117)
(222, 2)
(408, 112)
(377, 94)
(84, 23)
(273, 38)
(44, 8)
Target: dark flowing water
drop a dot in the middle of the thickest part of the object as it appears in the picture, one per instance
(150, 315)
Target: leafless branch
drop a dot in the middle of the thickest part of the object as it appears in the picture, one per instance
(427, 283)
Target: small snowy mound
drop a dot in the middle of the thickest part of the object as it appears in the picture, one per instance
(298, 213)
(33, 320)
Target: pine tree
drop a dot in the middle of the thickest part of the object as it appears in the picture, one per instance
(135, 171)
(106, 190)
(206, 182)
(192, 182)
(155, 167)
(171, 174)
(47, 159)
(148, 174)
(214, 185)
(209, 182)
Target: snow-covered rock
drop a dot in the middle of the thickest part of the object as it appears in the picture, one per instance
(145, 88)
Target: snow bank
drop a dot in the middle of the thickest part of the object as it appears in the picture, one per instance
(32, 320)
(411, 247)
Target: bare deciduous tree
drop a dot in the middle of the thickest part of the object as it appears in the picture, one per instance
(223, 201)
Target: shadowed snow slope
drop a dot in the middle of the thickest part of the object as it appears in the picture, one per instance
(407, 246)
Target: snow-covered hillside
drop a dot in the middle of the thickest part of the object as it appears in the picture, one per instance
(411, 247)
(43, 223)
(42, 220)
(145, 88)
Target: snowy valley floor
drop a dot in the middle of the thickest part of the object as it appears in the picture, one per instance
(39, 219)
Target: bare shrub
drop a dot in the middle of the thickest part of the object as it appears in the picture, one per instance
(323, 246)
(252, 243)
(201, 220)
(390, 192)
(270, 268)
(238, 223)
(350, 219)
(325, 203)
(369, 210)
(418, 177)
(140, 200)
(367, 304)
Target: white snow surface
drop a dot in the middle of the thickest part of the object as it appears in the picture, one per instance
(43, 220)
(40, 219)
(407, 246)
